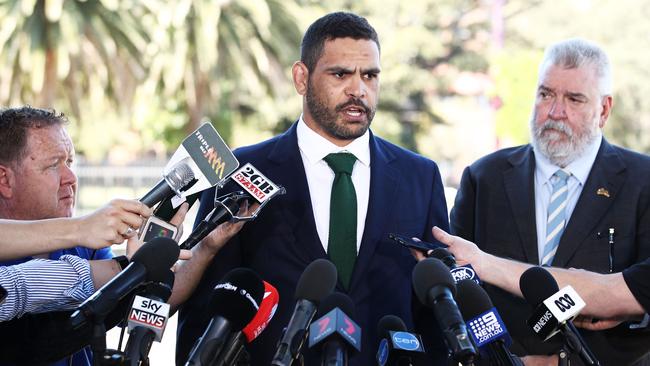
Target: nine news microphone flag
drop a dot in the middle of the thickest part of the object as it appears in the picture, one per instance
(485, 325)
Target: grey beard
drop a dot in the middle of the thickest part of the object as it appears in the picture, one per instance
(561, 153)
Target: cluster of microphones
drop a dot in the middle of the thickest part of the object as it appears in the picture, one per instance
(243, 304)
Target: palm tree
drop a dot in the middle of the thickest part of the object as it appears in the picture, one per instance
(225, 55)
(51, 49)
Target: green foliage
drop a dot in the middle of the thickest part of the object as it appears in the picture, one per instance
(514, 83)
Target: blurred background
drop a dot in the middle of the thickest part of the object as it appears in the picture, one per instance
(458, 79)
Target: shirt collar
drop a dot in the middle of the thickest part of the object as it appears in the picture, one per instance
(578, 168)
(315, 147)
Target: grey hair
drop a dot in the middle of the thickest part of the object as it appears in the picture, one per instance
(576, 52)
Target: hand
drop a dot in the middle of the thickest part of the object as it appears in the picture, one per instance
(464, 251)
(587, 322)
(133, 244)
(551, 360)
(224, 232)
(111, 224)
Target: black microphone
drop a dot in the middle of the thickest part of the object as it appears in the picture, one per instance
(435, 288)
(554, 309)
(148, 318)
(316, 282)
(335, 332)
(398, 347)
(177, 178)
(459, 273)
(223, 211)
(485, 325)
(234, 352)
(149, 263)
(235, 302)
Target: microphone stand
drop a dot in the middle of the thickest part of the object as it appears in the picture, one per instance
(101, 355)
(563, 358)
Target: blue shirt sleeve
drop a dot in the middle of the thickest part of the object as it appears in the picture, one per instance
(104, 253)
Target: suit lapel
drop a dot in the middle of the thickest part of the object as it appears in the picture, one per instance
(520, 189)
(607, 172)
(384, 181)
(297, 209)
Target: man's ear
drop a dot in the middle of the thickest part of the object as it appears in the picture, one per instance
(7, 181)
(300, 75)
(607, 104)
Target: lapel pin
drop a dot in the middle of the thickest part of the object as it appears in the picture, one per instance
(602, 192)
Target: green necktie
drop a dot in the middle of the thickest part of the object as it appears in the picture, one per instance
(342, 244)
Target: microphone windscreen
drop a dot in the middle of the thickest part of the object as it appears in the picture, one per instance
(237, 297)
(428, 273)
(157, 255)
(537, 284)
(472, 300)
(336, 300)
(179, 175)
(388, 323)
(161, 289)
(316, 281)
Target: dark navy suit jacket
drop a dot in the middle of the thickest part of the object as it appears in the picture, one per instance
(406, 197)
(495, 208)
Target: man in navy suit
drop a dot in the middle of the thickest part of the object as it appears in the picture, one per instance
(396, 191)
(568, 199)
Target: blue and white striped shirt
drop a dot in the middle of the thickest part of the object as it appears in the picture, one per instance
(42, 285)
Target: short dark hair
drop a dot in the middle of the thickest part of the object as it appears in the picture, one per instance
(14, 124)
(333, 26)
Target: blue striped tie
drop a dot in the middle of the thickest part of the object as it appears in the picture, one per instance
(556, 219)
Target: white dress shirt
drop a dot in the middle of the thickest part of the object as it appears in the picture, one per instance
(544, 170)
(320, 177)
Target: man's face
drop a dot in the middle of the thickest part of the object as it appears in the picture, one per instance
(342, 90)
(569, 112)
(45, 185)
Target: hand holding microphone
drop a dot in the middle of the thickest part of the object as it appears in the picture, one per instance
(257, 187)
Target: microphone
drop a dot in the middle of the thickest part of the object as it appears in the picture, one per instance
(335, 330)
(173, 181)
(223, 211)
(435, 288)
(554, 310)
(235, 302)
(235, 345)
(148, 318)
(485, 325)
(398, 347)
(149, 263)
(459, 273)
(255, 186)
(316, 282)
